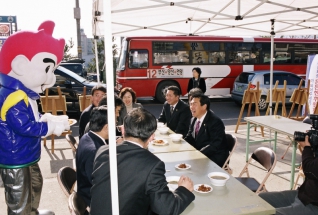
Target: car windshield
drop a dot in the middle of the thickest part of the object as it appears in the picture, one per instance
(72, 74)
(245, 77)
(77, 68)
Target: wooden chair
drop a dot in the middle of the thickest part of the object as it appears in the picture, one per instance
(250, 97)
(279, 96)
(267, 158)
(66, 177)
(300, 172)
(300, 98)
(84, 100)
(54, 104)
(231, 145)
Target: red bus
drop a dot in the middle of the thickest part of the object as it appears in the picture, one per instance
(150, 64)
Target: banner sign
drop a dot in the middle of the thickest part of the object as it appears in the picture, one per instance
(312, 75)
(4, 30)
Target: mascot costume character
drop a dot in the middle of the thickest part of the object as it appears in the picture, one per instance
(27, 63)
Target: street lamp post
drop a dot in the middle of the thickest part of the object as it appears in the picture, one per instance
(77, 16)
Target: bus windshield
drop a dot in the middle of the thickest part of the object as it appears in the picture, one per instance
(122, 57)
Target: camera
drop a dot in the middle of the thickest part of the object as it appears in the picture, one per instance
(312, 134)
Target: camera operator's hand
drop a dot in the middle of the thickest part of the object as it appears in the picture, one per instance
(305, 143)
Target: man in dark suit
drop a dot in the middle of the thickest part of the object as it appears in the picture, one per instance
(87, 147)
(207, 131)
(142, 185)
(98, 92)
(175, 112)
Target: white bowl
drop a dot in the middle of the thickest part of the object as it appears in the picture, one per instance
(163, 130)
(175, 137)
(161, 124)
(218, 178)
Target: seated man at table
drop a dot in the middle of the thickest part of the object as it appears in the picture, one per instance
(142, 185)
(175, 112)
(304, 200)
(98, 92)
(87, 147)
(118, 105)
(207, 132)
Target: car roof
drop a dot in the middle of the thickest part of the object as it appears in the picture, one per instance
(267, 71)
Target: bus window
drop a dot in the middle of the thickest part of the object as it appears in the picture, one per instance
(173, 57)
(200, 57)
(235, 57)
(217, 57)
(138, 59)
(301, 57)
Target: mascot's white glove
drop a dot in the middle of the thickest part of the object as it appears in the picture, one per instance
(56, 124)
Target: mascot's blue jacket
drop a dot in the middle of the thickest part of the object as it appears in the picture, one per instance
(20, 133)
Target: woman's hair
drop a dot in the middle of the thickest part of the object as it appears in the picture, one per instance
(128, 89)
(198, 70)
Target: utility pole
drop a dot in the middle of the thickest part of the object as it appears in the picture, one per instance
(77, 16)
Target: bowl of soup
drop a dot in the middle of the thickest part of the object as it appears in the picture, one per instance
(175, 137)
(163, 130)
(218, 178)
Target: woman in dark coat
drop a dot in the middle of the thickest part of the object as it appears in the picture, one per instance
(196, 81)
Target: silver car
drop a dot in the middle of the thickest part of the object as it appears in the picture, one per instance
(263, 77)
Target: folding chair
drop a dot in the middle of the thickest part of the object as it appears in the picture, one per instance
(77, 205)
(72, 141)
(231, 145)
(265, 157)
(66, 177)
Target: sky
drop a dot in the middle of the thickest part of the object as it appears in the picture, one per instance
(31, 13)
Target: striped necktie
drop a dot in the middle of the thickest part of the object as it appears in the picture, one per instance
(197, 128)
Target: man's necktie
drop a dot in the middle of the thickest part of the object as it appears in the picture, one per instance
(171, 109)
(197, 128)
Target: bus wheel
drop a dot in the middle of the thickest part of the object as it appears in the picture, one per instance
(262, 105)
(161, 90)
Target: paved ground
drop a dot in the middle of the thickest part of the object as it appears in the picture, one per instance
(54, 199)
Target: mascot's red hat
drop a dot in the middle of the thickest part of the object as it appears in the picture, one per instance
(29, 43)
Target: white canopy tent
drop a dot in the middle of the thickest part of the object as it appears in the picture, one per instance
(195, 17)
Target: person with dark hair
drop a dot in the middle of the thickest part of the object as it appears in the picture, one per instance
(98, 92)
(128, 95)
(207, 131)
(87, 147)
(118, 106)
(194, 91)
(196, 81)
(142, 185)
(175, 112)
(304, 200)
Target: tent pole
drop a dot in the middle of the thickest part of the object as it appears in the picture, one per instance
(271, 66)
(111, 106)
(96, 59)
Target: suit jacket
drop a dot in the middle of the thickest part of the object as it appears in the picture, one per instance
(123, 112)
(84, 119)
(211, 140)
(202, 84)
(87, 147)
(142, 186)
(179, 121)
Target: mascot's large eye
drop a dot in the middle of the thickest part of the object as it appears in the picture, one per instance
(47, 69)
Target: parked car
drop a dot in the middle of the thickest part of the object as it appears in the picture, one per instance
(92, 77)
(263, 77)
(71, 84)
(78, 68)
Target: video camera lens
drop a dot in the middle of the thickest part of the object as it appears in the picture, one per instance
(299, 136)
